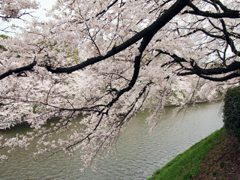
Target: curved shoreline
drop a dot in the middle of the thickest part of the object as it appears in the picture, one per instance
(188, 164)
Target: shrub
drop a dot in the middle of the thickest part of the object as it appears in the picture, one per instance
(231, 111)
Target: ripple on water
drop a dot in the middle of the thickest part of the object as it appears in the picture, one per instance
(138, 152)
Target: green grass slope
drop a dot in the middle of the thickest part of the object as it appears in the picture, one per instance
(187, 165)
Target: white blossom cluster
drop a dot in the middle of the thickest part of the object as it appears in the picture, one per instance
(15, 8)
(89, 99)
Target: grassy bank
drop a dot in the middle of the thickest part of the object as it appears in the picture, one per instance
(187, 165)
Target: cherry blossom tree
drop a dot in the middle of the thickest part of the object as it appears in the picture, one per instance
(14, 10)
(97, 63)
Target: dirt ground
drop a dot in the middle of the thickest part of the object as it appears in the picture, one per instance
(223, 161)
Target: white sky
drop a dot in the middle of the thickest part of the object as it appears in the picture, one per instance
(40, 14)
(44, 5)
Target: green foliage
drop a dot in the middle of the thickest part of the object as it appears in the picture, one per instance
(231, 111)
(178, 94)
(2, 48)
(187, 165)
(35, 108)
(74, 55)
(2, 36)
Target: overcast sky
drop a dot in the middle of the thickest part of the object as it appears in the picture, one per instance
(40, 13)
(44, 5)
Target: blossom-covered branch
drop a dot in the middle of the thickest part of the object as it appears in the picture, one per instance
(95, 64)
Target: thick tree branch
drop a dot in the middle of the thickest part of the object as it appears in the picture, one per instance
(214, 71)
(137, 65)
(229, 41)
(227, 13)
(19, 70)
(150, 30)
(220, 79)
(105, 10)
(195, 69)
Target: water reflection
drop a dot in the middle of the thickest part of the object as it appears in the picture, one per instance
(137, 154)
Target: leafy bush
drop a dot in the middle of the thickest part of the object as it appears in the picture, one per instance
(231, 111)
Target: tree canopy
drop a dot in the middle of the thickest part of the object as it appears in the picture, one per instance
(102, 61)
